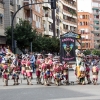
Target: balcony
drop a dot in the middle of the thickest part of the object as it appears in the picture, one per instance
(71, 14)
(71, 22)
(25, 3)
(46, 6)
(49, 33)
(47, 17)
(71, 5)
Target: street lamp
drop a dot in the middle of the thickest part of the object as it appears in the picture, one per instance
(12, 24)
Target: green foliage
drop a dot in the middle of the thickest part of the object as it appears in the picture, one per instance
(96, 52)
(87, 52)
(24, 34)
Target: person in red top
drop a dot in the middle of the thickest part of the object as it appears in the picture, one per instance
(38, 74)
(88, 73)
(23, 68)
(15, 75)
(5, 75)
(57, 75)
(29, 73)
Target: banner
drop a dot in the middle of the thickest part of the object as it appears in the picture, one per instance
(67, 48)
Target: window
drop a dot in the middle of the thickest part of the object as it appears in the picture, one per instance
(86, 23)
(80, 23)
(11, 2)
(83, 16)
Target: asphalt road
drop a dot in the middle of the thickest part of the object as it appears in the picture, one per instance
(41, 92)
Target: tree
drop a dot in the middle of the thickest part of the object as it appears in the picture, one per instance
(23, 33)
(87, 52)
(96, 52)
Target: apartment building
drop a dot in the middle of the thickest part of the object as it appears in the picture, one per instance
(34, 14)
(96, 22)
(69, 12)
(58, 19)
(47, 19)
(2, 35)
(7, 9)
(85, 28)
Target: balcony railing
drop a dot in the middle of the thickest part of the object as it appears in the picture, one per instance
(70, 3)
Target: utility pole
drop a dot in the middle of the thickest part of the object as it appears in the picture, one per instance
(31, 21)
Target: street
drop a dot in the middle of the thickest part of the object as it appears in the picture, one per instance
(41, 92)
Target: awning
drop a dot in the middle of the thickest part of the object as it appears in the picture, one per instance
(96, 21)
(95, 8)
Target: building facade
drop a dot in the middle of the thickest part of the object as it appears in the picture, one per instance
(7, 9)
(85, 28)
(47, 19)
(69, 15)
(96, 22)
(34, 14)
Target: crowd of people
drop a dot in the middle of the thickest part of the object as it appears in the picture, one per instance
(48, 68)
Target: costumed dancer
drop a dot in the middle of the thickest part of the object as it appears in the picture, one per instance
(95, 72)
(50, 62)
(82, 74)
(38, 74)
(57, 75)
(88, 73)
(5, 75)
(45, 71)
(29, 73)
(15, 75)
(23, 69)
(65, 73)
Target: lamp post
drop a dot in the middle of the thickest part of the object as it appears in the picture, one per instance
(12, 24)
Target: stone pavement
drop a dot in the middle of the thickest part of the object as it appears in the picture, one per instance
(41, 92)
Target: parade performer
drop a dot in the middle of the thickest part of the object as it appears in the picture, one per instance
(5, 75)
(95, 72)
(15, 75)
(88, 73)
(23, 69)
(29, 73)
(79, 60)
(65, 73)
(57, 75)
(38, 75)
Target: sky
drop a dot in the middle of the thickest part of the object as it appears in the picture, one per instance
(84, 5)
